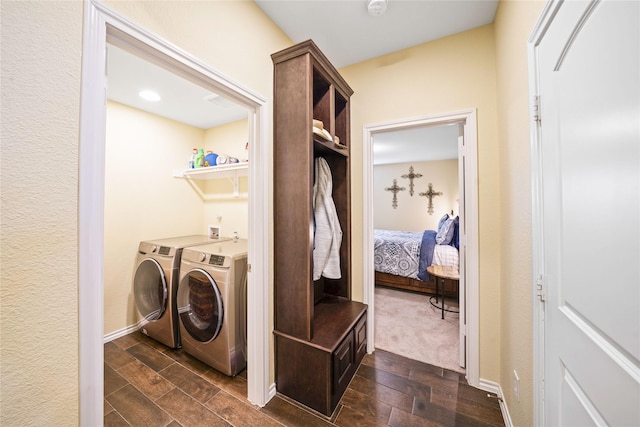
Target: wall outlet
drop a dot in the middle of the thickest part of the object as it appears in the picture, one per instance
(516, 385)
(214, 231)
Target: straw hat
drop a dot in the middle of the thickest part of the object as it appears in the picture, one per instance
(318, 129)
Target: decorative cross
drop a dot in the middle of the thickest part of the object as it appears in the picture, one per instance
(431, 194)
(394, 189)
(411, 176)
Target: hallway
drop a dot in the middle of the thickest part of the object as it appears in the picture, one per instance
(147, 383)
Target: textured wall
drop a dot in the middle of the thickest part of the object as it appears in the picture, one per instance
(41, 47)
(449, 74)
(41, 54)
(41, 66)
(513, 25)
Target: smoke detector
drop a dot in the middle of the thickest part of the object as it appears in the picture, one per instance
(376, 7)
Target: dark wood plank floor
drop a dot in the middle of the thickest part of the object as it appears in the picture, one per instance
(148, 384)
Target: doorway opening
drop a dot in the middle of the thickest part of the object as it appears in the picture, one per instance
(468, 212)
(102, 26)
(410, 321)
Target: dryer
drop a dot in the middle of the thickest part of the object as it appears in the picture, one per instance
(212, 304)
(155, 280)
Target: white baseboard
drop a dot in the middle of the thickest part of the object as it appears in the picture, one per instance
(495, 388)
(272, 392)
(120, 333)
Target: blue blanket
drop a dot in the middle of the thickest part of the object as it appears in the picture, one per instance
(426, 253)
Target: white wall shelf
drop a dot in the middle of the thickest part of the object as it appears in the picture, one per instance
(232, 171)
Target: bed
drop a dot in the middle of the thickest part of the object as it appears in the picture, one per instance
(401, 258)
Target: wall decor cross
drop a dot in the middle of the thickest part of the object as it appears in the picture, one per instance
(411, 177)
(430, 195)
(395, 189)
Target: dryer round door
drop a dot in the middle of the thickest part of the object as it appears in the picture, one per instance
(150, 289)
(200, 306)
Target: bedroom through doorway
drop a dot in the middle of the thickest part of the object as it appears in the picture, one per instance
(463, 126)
(415, 189)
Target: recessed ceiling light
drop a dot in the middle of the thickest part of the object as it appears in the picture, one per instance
(149, 95)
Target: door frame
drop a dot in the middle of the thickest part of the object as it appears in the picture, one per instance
(103, 25)
(537, 270)
(468, 241)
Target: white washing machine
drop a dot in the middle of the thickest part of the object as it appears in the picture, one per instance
(155, 281)
(212, 304)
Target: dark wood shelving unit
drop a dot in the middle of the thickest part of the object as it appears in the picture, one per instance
(320, 333)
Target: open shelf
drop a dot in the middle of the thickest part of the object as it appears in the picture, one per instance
(233, 170)
(324, 147)
(320, 332)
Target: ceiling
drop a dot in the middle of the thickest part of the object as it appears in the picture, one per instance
(346, 33)
(417, 144)
(181, 100)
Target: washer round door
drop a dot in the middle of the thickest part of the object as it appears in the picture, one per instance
(150, 289)
(200, 305)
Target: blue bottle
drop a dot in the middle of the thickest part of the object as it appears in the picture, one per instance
(192, 160)
(210, 158)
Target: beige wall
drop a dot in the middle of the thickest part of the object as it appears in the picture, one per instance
(235, 37)
(229, 139)
(411, 213)
(446, 75)
(514, 23)
(204, 30)
(142, 198)
(41, 44)
(227, 212)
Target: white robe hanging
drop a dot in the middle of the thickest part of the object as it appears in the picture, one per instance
(328, 234)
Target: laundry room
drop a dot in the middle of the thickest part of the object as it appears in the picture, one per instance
(151, 191)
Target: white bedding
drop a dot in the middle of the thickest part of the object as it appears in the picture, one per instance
(445, 255)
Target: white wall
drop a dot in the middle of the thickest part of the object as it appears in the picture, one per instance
(411, 213)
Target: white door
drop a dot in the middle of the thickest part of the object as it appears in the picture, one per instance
(589, 207)
(462, 261)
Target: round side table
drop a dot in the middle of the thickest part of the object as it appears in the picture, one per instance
(443, 272)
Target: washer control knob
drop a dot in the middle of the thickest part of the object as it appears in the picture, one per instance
(203, 257)
(154, 248)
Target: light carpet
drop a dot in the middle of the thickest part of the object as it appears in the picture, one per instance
(408, 325)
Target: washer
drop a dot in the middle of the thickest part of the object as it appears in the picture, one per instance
(212, 304)
(155, 281)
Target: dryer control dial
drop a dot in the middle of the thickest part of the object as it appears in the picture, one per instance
(203, 257)
(154, 248)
